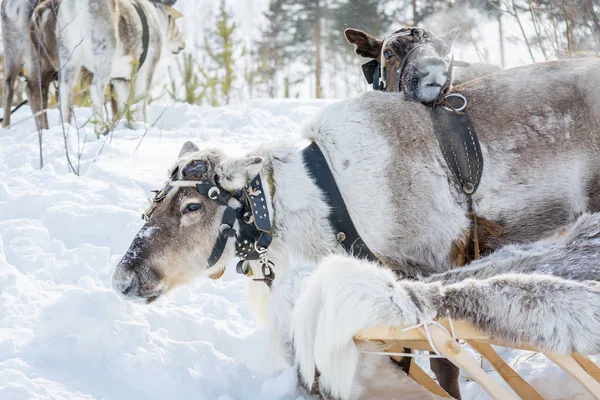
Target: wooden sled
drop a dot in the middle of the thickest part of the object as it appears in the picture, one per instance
(577, 366)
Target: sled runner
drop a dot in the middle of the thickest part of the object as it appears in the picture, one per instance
(439, 336)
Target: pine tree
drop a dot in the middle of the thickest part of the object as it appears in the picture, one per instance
(223, 49)
(309, 17)
(273, 49)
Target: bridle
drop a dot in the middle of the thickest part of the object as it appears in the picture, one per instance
(375, 71)
(247, 207)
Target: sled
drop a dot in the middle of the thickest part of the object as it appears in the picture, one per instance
(577, 366)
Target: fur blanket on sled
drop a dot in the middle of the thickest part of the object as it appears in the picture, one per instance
(544, 294)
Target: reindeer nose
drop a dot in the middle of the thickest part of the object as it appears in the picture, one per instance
(126, 283)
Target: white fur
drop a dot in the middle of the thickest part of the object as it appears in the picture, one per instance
(437, 76)
(341, 297)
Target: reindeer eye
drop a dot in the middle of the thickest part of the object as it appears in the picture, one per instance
(192, 207)
(388, 54)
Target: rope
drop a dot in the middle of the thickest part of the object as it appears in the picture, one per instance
(425, 324)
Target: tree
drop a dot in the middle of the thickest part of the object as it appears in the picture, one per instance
(223, 50)
(273, 49)
(308, 18)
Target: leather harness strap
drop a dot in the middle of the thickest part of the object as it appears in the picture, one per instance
(460, 146)
(145, 33)
(339, 218)
(462, 152)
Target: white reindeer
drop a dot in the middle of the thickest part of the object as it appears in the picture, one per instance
(108, 38)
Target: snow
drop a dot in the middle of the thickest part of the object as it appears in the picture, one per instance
(64, 333)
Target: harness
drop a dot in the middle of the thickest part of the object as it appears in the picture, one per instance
(247, 207)
(339, 218)
(375, 71)
(145, 33)
(454, 131)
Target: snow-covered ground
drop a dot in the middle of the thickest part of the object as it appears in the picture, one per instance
(64, 334)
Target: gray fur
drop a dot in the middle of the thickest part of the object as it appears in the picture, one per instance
(534, 307)
(472, 71)
(573, 254)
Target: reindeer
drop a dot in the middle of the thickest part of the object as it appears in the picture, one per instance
(542, 154)
(118, 42)
(44, 64)
(16, 15)
(413, 61)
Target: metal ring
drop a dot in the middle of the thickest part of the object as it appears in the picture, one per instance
(260, 250)
(460, 96)
(213, 193)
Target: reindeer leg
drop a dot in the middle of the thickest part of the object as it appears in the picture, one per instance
(98, 86)
(121, 90)
(447, 375)
(68, 78)
(9, 90)
(46, 82)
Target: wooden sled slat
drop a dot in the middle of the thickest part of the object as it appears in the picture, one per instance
(417, 373)
(454, 352)
(426, 381)
(463, 330)
(514, 380)
(579, 367)
(572, 367)
(588, 365)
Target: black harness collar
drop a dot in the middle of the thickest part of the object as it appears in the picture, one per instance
(339, 218)
(145, 33)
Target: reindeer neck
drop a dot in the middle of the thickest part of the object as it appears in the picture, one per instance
(299, 215)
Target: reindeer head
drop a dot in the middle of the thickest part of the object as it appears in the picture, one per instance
(411, 60)
(174, 39)
(174, 245)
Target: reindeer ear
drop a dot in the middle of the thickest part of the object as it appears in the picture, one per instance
(188, 147)
(450, 37)
(235, 174)
(366, 45)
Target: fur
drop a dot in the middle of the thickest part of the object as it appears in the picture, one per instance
(512, 300)
(104, 37)
(18, 52)
(566, 255)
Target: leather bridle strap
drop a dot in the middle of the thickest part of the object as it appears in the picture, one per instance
(402, 66)
(226, 232)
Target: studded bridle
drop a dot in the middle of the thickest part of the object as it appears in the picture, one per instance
(248, 207)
